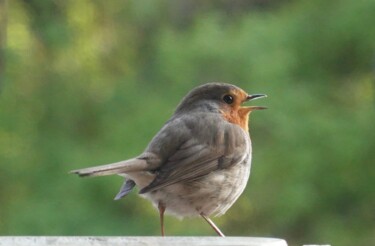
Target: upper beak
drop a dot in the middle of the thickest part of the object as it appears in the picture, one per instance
(252, 97)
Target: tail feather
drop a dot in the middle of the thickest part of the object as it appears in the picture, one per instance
(126, 188)
(131, 165)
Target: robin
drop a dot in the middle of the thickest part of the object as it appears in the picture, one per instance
(198, 164)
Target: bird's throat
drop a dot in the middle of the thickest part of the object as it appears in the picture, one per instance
(239, 117)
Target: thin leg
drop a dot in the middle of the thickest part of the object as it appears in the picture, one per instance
(161, 208)
(212, 224)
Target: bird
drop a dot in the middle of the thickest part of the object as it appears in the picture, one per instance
(198, 164)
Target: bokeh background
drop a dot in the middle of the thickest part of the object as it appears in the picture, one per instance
(90, 82)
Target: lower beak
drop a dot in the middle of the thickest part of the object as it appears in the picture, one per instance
(251, 108)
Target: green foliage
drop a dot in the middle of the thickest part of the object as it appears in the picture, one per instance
(91, 82)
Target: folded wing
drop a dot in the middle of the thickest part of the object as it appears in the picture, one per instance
(194, 159)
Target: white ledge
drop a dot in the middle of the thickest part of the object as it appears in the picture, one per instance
(137, 241)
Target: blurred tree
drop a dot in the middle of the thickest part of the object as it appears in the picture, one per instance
(3, 27)
(90, 82)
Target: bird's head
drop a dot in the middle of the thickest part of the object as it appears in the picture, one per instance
(221, 98)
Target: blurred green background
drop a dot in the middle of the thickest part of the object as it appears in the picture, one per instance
(90, 82)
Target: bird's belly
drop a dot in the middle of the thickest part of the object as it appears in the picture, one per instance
(212, 194)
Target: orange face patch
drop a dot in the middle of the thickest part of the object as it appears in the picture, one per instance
(236, 114)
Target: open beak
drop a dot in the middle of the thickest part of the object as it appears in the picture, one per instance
(252, 97)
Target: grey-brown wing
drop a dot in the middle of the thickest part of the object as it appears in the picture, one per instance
(196, 158)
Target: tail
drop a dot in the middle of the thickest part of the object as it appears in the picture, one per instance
(132, 165)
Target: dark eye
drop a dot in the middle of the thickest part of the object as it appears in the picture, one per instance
(228, 99)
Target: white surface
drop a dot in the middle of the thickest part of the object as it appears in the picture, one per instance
(137, 241)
